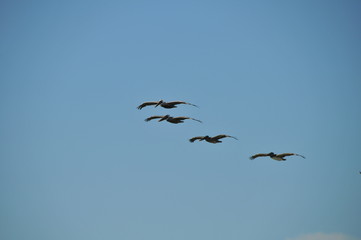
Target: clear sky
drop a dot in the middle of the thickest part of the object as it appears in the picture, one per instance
(77, 160)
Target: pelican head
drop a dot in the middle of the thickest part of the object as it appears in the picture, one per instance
(160, 102)
(206, 137)
(272, 154)
(163, 118)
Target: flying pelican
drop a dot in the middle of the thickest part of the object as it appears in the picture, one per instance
(170, 119)
(163, 104)
(278, 157)
(209, 139)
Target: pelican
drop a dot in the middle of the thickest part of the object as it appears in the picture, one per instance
(277, 157)
(163, 104)
(209, 139)
(170, 119)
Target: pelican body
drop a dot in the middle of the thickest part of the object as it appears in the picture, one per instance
(277, 157)
(164, 104)
(174, 120)
(209, 139)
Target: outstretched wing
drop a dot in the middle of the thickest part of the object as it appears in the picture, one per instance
(258, 155)
(289, 154)
(200, 138)
(223, 136)
(152, 117)
(184, 118)
(181, 102)
(146, 104)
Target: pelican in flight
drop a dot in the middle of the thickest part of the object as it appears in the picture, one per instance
(209, 139)
(163, 104)
(277, 157)
(170, 119)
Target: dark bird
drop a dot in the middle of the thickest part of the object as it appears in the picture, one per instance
(170, 119)
(163, 104)
(209, 139)
(278, 157)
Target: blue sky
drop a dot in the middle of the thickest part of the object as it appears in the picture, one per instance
(77, 161)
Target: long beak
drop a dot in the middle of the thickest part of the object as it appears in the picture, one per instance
(162, 119)
(160, 102)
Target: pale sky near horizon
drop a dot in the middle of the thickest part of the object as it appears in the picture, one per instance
(78, 161)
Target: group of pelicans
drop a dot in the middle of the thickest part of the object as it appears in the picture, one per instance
(215, 139)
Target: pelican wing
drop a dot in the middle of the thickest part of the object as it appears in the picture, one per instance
(289, 154)
(146, 104)
(223, 136)
(200, 138)
(259, 155)
(184, 118)
(181, 102)
(152, 117)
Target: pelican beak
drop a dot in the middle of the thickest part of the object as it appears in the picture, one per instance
(160, 102)
(163, 118)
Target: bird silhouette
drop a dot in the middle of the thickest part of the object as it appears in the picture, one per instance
(277, 157)
(170, 119)
(209, 139)
(164, 104)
